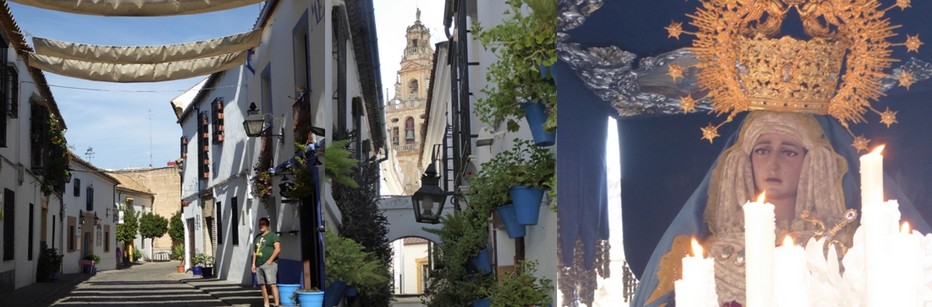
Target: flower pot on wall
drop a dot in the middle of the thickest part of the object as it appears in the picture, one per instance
(485, 302)
(536, 115)
(514, 229)
(310, 298)
(527, 202)
(481, 262)
(286, 291)
(334, 293)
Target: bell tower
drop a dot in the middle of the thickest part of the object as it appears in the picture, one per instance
(405, 111)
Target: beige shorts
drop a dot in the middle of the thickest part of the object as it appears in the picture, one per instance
(266, 273)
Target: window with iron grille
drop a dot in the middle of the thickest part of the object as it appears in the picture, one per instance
(77, 187)
(39, 134)
(13, 90)
(90, 198)
(217, 111)
(184, 147)
(203, 156)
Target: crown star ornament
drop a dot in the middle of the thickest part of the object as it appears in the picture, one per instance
(744, 65)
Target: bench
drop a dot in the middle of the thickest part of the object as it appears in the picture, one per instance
(161, 256)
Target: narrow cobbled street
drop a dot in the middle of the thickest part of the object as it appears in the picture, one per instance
(150, 284)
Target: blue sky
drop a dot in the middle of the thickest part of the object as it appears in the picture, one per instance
(114, 118)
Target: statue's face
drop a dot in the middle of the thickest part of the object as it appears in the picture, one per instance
(777, 160)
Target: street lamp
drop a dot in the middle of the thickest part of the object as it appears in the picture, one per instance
(429, 199)
(255, 123)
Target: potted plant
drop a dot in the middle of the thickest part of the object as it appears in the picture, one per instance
(261, 182)
(349, 265)
(522, 288)
(521, 81)
(49, 266)
(198, 262)
(489, 192)
(178, 254)
(92, 268)
(530, 169)
(208, 270)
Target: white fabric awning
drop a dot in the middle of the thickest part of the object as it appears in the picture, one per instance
(137, 72)
(147, 54)
(137, 7)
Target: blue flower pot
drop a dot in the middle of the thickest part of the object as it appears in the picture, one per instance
(486, 302)
(196, 270)
(514, 229)
(310, 299)
(527, 203)
(334, 293)
(536, 116)
(552, 69)
(482, 262)
(285, 291)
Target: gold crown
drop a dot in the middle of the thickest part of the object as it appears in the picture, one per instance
(742, 67)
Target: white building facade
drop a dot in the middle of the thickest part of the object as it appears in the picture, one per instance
(29, 219)
(305, 75)
(89, 211)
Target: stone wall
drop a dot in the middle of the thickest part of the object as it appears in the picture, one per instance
(165, 183)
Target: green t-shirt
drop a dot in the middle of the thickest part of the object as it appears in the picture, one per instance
(265, 246)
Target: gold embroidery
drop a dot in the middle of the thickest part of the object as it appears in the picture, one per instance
(670, 265)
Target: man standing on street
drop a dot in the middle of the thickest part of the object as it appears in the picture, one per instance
(265, 261)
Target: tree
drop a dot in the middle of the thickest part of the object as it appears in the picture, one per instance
(364, 222)
(152, 226)
(126, 232)
(176, 228)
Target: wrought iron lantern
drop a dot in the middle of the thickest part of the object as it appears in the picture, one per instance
(429, 199)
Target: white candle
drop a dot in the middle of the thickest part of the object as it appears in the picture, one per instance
(872, 177)
(759, 239)
(791, 276)
(907, 269)
(697, 288)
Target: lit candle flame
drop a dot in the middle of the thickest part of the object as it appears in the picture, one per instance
(787, 241)
(760, 198)
(904, 229)
(697, 248)
(878, 150)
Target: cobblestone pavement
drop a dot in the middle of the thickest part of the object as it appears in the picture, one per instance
(150, 284)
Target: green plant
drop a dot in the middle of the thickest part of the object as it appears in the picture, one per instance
(178, 252)
(347, 261)
(552, 192)
(463, 235)
(126, 232)
(176, 228)
(528, 164)
(364, 222)
(261, 182)
(49, 262)
(152, 225)
(523, 43)
(521, 288)
(489, 187)
(339, 164)
(203, 260)
(92, 257)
